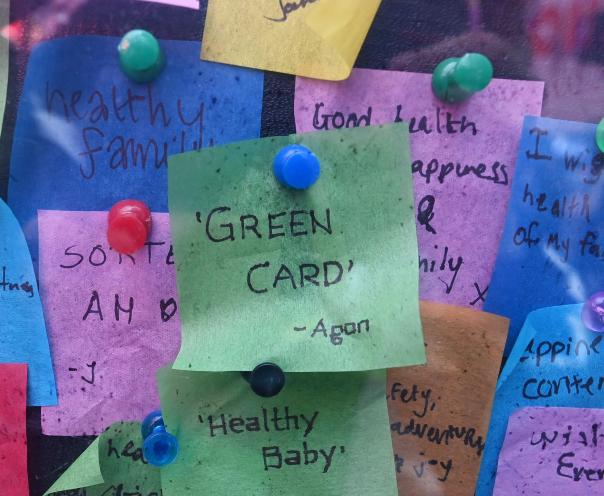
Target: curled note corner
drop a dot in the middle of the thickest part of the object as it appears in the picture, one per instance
(343, 26)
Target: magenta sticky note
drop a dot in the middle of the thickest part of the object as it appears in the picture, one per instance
(552, 452)
(463, 164)
(112, 320)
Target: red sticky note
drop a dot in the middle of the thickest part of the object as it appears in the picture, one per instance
(13, 438)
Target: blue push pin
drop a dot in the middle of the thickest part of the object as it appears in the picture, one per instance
(266, 380)
(159, 447)
(296, 167)
(592, 313)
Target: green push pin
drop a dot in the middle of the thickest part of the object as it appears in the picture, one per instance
(600, 136)
(458, 78)
(141, 57)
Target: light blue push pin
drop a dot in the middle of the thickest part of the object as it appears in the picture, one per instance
(159, 447)
(295, 166)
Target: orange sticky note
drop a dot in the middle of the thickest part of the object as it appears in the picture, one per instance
(440, 412)
(13, 438)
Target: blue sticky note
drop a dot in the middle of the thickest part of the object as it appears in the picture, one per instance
(556, 361)
(22, 330)
(87, 137)
(552, 247)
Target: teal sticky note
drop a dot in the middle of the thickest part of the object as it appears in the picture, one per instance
(323, 279)
(556, 361)
(322, 434)
(23, 336)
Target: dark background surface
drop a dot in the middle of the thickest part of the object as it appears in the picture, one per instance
(559, 41)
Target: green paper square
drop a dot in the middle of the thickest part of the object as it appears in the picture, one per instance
(368, 320)
(350, 425)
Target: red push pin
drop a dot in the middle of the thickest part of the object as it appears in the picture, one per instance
(129, 226)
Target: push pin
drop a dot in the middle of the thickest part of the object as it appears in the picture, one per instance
(266, 380)
(600, 135)
(295, 166)
(141, 57)
(159, 446)
(129, 226)
(456, 79)
(592, 314)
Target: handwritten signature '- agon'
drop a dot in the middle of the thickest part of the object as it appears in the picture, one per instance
(289, 7)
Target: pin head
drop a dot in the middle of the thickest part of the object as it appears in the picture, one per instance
(295, 166)
(592, 313)
(600, 135)
(129, 226)
(266, 380)
(456, 79)
(141, 56)
(473, 72)
(160, 447)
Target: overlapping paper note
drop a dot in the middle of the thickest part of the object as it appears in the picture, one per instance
(13, 436)
(87, 137)
(462, 161)
(323, 434)
(552, 248)
(439, 413)
(314, 38)
(23, 336)
(318, 280)
(113, 320)
(556, 361)
(553, 451)
(112, 464)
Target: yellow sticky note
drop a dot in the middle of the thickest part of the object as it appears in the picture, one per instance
(314, 38)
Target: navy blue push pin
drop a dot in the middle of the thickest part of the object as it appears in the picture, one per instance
(296, 167)
(592, 313)
(266, 380)
(159, 447)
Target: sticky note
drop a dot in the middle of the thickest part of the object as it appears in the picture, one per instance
(552, 248)
(305, 37)
(462, 162)
(23, 336)
(439, 413)
(4, 58)
(553, 450)
(13, 437)
(323, 279)
(112, 464)
(556, 361)
(189, 4)
(90, 137)
(323, 434)
(112, 319)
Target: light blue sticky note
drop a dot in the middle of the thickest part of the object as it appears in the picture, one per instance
(22, 330)
(86, 136)
(552, 247)
(556, 361)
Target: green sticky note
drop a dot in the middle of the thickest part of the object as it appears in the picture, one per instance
(324, 279)
(323, 434)
(112, 464)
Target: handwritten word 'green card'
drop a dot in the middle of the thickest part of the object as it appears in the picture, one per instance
(319, 280)
(323, 434)
(112, 465)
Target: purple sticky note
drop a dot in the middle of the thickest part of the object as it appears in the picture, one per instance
(112, 320)
(552, 452)
(463, 163)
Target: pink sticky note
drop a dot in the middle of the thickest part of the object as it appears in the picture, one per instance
(463, 163)
(112, 320)
(190, 4)
(553, 452)
(13, 438)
